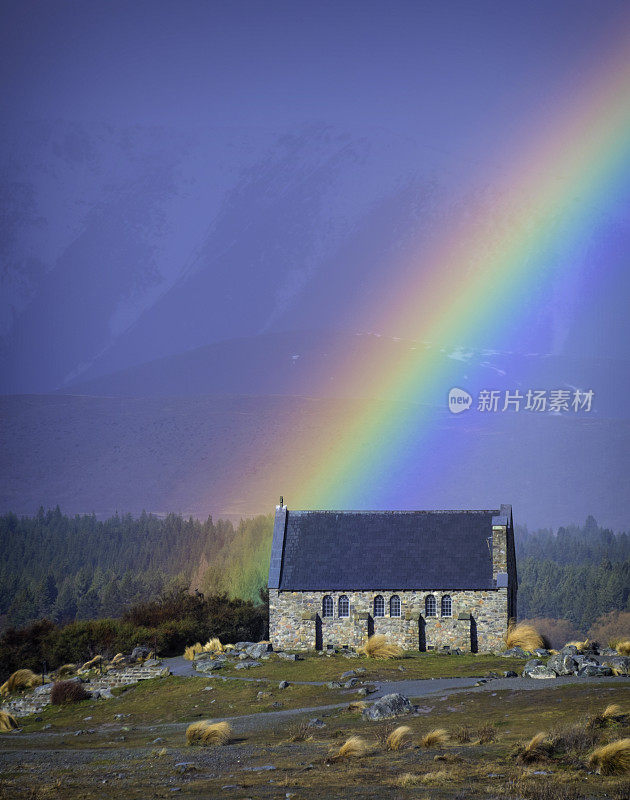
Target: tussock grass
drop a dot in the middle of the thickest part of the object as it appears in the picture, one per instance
(206, 733)
(521, 634)
(580, 645)
(193, 650)
(400, 737)
(613, 712)
(435, 738)
(623, 647)
(66, 669)
(213, 646)
(357, 705)
(463, 734)
(377, 646)
(300, 732)
(354, 747)
(408, 779)
(21, 679)
(486, 733)
(7, 722)
(93, 662)
(65, 692)
(577, 738)
(612, 759)
(441, 777)
(537, 748)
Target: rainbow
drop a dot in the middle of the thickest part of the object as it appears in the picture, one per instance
(475, 279)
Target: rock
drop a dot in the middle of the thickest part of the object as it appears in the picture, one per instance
(370, 688)
(362, 692)
(244, 645)
(333, 685)
(316, 722)
(262, 695)
(563, 664)
(152, 662)
(594, 671)
(350, 654)
(586, 661)
(283, 685)
(139, 652)
(350, 684)
(106, 693)
(277, 704)
(571, 649)
(621, 663)
(185, 766)
(536, 669)
(608, 651)
(514, 652)
(258, 650)
(288, 656)
(533, 662)
(541, 652)
(360, 671)
(248, 664)
(208, 688)
(159, 740)
(349, 674)
(391, 705)
(206, 666)
(509, 673)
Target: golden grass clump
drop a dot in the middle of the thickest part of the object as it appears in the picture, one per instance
(7, 722)
(228, 647)
(206, 732)
(213, 646)
(435, 738)
(612, 759)
(521, 634)
(613, 711)
(623, 647)
(354, 747)
(408, 779)
(377, 646)
(580, 645)
(93, 662)
(21, 679)
(66, 669)
(192, 651)
(357, 705)
(399, 738)
(537, 749)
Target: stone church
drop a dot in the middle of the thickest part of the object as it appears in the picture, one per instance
(429, 580)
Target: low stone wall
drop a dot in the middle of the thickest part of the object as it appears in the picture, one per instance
(479, 620)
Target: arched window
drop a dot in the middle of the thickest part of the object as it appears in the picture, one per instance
(394, 606)
(327, 606)
(344, 606)
(430, 606)
(379, 606)
(447, 606)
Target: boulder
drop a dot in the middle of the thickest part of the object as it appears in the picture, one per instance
(536, 669)
(287, 656)
(594, 671)
(391, 705)
(248, 664)
(333, 685)
(608, 651)
(258, 650)
(206, 665)
(509, 673)
(514, 652)
(541, 652)
(349, 674)
(283, 685)
(139, 652)
(350, 683)
(563, 664)
(571, 649)
(244, 645)
(621, 663)
(316, 722)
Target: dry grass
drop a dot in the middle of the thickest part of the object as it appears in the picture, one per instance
(7, 722)
(400, 737)
(580, 645)
(536, 749)
(623, 647)
(613, 712)
(612, 759)
(213, 646)
(439, 777)
(520, 634)
(300, 732)
(21, 679)
(377, 646)
(486, 733)
(357, 705)
(463, 735)
(66, 669)
(408, 779)
(64, 692)
(192, 651)
(93, 662)
(354, 747)
(435, 738)
(206, 733)
(577, 738)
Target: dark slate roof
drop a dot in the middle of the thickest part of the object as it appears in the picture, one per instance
(382, 550)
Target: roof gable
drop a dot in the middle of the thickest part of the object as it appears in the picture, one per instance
(382, 550)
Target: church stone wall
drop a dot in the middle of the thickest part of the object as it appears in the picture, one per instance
(479, 620)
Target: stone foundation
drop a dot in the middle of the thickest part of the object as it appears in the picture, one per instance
(478, 622)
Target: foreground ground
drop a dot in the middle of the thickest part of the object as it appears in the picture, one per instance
(134, 745)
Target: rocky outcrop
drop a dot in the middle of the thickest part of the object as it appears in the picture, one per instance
(387, 707)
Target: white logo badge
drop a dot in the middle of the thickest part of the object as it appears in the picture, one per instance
(458, 401)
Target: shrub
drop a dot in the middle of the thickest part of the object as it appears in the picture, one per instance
(520, 634)
(353, 747)
(66, 669)
(213, 646)
(463, 735)
(65, 692)
(577, 738)
(377, 646)
(486, 733)
(192, 651)
(537, 748)
(20, 679)
(612, 759)
(614, 626)
(399, 738)
(7, 722)
(206, 733)
(435, 738)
